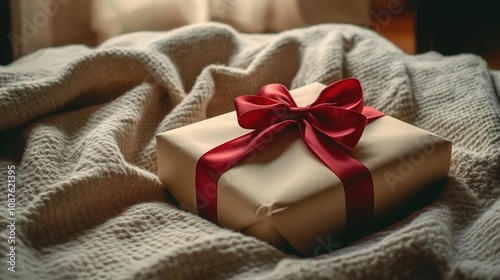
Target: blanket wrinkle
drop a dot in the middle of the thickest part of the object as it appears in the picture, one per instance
(79, 126)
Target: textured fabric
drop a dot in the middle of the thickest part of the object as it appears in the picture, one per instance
(79, 123)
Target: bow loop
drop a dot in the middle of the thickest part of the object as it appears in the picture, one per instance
(257, 112)
(345, 93)
(339, 124)
(277, 92)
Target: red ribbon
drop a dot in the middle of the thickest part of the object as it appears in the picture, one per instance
(331, 126)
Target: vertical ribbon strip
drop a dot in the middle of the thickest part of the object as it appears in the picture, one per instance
(331, 127)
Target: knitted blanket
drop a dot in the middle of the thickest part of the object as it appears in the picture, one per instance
(80, 194)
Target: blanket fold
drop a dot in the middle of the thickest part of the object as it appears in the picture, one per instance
(78, 125)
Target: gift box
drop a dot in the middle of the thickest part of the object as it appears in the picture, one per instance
(301, 183)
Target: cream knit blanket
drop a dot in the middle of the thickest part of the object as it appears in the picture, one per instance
(78, 126)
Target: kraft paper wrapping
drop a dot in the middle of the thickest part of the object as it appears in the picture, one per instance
(285, 194)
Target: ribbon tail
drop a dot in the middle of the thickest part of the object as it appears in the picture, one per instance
(218, 160)
(354, 175)
(371, 114)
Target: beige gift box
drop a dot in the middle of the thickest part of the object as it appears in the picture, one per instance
(285, 195)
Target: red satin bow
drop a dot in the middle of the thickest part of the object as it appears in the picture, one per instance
(330, 127)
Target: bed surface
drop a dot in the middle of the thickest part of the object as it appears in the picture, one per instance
(79, 126)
